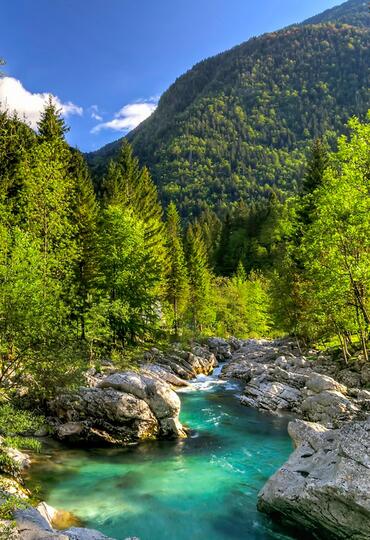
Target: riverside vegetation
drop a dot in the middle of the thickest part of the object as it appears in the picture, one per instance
(95, 272)
(83, 278)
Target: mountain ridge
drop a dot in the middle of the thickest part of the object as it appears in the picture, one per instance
(292, 77)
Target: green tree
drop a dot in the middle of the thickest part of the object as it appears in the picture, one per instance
(85, 216)
(51, 124)
(314, 176)
(201, 311)
(128, 307)
(177, 286)
(336, 247)
(130, 186)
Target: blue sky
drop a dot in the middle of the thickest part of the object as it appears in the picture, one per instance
(108, 60)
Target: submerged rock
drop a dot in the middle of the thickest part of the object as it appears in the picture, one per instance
(325, 484)
(32, 525)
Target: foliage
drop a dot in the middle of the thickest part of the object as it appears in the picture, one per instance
(242, 307)
(9, 506)
(353, 12)
(18, 422)
(237, 126)
(177, 284)
(325, 275)
(200, 311)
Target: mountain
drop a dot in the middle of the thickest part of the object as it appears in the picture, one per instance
(238, 125)
(353, 12)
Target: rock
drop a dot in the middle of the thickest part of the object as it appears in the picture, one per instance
(349, 378)
(365, 375)
(105, 414)
(162, 374)
(300, 362)
(271, 396)
(220, 347)
(76, 533)
(330, 408)
(59, 519)
(35, 524)
(10, 485)
(70, 430)
(20, 458)
(325, 484)
(281, 361)
(31, 525)
(319, 383)
(162, 400)
(287, 381)
(122, 408)
(292, 378)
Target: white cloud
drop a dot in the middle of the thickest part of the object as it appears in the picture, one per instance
(95, 115)
(128, 117)
(14, 97)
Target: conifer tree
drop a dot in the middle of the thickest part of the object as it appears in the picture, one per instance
(177, 286)
(211, 226)
(85, 216)
(51, 124)
(45, 206)
(128, 304)
(131, 187)
(316, 167)
(200, 280)
(312, 180)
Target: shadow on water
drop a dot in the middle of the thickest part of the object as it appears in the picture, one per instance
(203, 487)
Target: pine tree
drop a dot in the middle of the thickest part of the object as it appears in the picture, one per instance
(131, 187)
(316, 167)
(312, 180)
(211, 226)
(128, 303)
(51, 124)
(240, 274)
(177, 286)
(45, 210)
(200, 281)
(85, 216)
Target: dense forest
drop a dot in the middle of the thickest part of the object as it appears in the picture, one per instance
(354, 12)
(83, 277)
(237, 126)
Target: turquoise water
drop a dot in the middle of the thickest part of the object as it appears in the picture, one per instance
(201, 488)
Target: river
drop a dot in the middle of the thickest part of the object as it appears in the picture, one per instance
(201, 488)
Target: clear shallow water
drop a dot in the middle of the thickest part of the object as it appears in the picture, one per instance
(201, 488)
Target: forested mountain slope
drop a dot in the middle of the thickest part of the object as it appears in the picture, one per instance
(237, 125)
(354, 12)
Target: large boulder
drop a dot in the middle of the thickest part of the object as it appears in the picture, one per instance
(320, 383)
(271, 396)
(324, 486)
(122, 408)
(220, 347)
(330, 408)
(126, 407)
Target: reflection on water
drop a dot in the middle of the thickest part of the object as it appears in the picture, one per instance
(201, 488)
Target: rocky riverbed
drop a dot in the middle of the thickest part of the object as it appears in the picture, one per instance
(323, 487)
